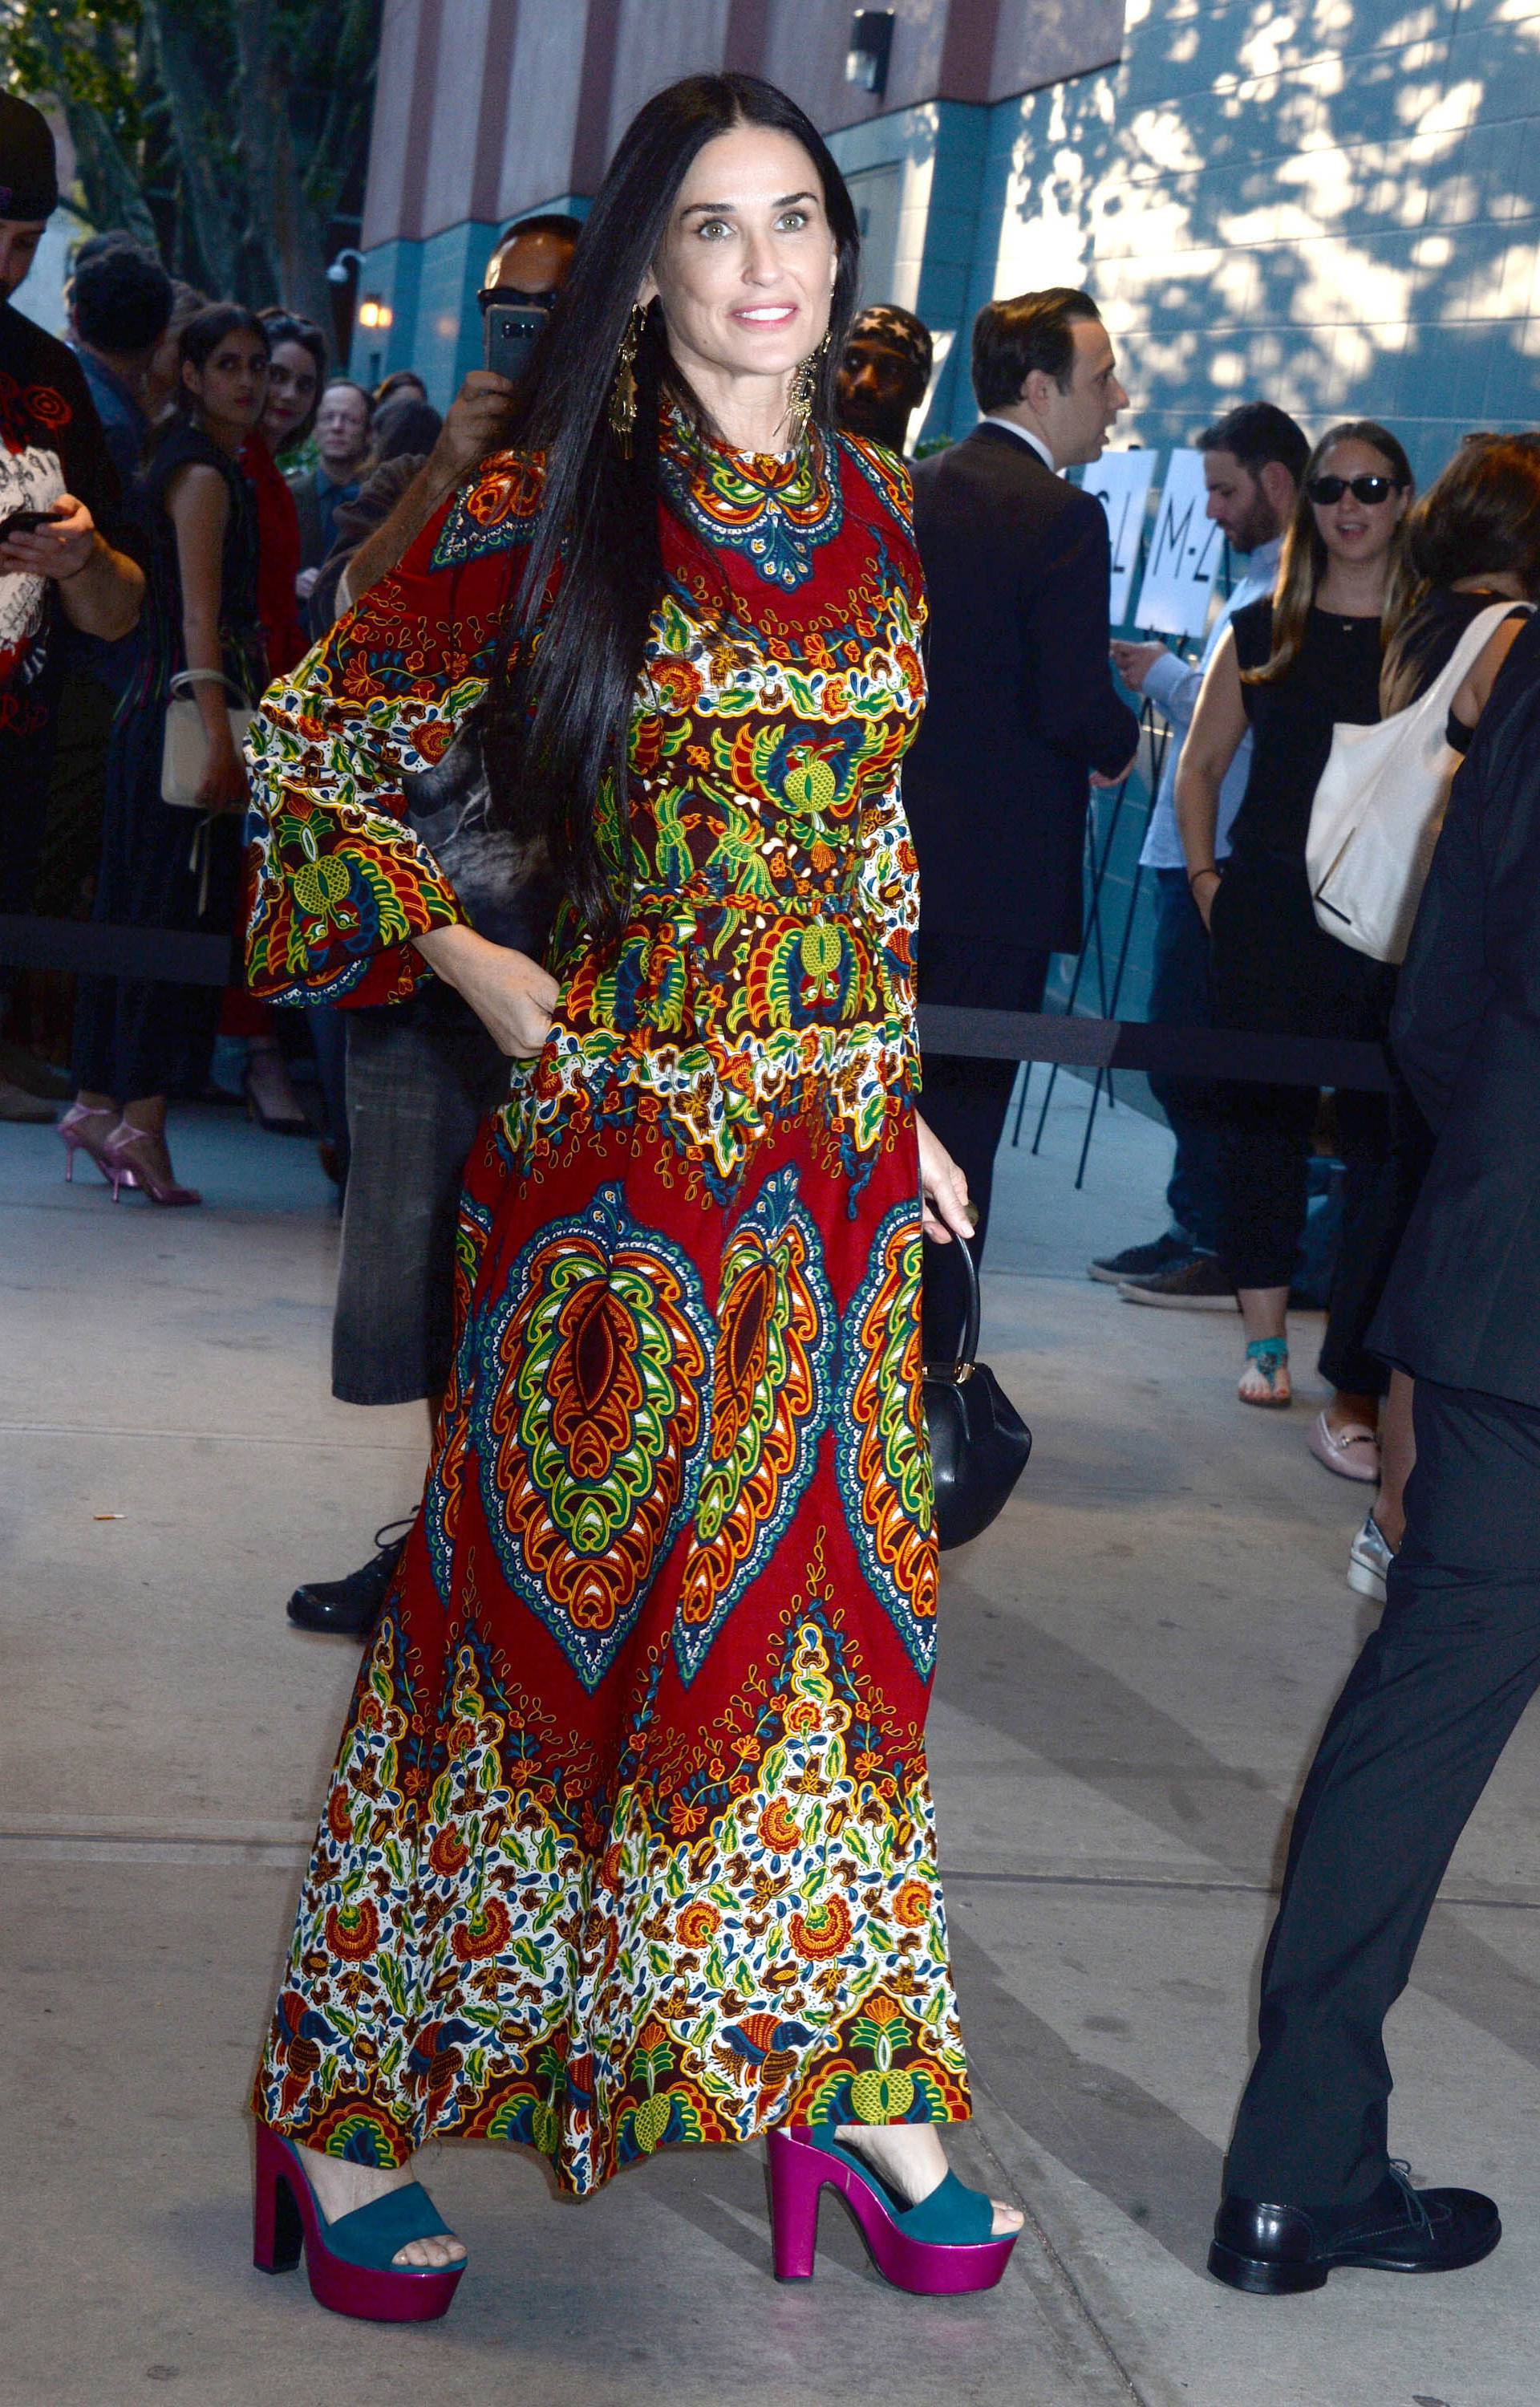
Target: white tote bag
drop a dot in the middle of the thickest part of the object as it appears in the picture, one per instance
(184, 752)
(1379, 806)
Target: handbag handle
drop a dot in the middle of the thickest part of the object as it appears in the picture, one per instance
(968, 1352)
(185, 680)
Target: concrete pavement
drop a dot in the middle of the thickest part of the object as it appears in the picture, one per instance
(1134, 1665)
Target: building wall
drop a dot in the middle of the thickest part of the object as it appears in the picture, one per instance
(1338, 207)
(486, 110)
(1332, 203)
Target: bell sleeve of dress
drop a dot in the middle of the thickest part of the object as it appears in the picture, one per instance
(338, 883)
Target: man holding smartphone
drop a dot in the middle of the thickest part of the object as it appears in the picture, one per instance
(57, 486)
(523, 275)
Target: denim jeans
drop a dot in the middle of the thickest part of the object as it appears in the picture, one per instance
(1180, 997)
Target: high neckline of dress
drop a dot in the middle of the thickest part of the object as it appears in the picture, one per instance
(691, 443)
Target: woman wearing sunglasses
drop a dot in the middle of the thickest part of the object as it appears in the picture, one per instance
(1292, 668)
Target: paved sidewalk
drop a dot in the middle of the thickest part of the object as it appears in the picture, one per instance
(1134, 1665)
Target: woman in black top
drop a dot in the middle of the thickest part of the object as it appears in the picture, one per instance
(1291, 669)
(136, 1040)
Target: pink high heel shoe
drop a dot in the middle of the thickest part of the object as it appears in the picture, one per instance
(127, 1164)
(938, 2249)
(72, 1129)
(349, 2261)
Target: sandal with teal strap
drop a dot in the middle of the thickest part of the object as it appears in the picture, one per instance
(1269, 1358)
(944, 2246)
(351, 2262)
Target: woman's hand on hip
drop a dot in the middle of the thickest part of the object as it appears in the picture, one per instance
(511, 994)
(945, 1211)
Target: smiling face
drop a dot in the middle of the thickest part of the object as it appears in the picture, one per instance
(231, 387)
(746, 269)
(292, 378)
(1351, 529)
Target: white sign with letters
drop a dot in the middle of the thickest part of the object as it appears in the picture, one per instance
(1185, 552)
(1120, 481)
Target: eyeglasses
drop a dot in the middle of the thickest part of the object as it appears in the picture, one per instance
(1326, 490)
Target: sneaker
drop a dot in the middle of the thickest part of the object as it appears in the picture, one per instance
(1140, 1261)
(350, 1607)
(1197, 1285)
(1369, 1559)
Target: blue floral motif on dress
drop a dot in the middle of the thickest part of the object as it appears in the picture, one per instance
(773, 512)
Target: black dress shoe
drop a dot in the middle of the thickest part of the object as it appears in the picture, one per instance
(349, 1608)
(1397, 2229)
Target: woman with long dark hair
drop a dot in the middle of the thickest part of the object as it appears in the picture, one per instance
(1292, 668)
(137, 1041)
(629, 1842)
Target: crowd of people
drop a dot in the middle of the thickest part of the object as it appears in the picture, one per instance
(570, 731)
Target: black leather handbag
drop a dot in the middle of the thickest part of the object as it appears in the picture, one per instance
(978, 1442)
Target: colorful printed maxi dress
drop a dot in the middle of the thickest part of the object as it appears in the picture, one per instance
(629, 1840)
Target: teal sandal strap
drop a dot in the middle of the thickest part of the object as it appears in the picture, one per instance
(370, 2235)
(1271, 1352)
(952, 2216)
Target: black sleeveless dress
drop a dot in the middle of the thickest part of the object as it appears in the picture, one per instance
(163, 867)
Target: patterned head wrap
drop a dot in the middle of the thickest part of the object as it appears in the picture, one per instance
(887, 323)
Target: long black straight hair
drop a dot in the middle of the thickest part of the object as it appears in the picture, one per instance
(556, 720)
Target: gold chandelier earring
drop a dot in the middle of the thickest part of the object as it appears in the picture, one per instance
(803, 391)
(623, 391)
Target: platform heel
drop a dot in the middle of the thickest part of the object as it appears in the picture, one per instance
(348, 2263)
(941, 2248)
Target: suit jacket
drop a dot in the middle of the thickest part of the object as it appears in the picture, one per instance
(315, 542)
(1462, 1304)
(1021, 705)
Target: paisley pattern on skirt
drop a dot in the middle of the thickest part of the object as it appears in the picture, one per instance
(630, 1838)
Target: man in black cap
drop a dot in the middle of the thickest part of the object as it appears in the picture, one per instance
(57, 485)
(884, 374)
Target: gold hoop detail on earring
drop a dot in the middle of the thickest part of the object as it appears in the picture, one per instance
(803, 391)
(623, 391)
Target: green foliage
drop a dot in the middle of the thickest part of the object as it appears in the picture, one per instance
(224, 133)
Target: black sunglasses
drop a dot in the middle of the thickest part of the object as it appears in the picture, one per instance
(1326, 490)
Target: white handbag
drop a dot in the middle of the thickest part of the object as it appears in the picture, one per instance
(184, 749)
(1380, 808)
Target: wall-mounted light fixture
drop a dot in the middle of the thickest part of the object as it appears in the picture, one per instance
(871, 44)
(337, 272)
(374, 312)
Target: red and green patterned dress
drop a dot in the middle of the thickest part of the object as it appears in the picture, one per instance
(629, 1840)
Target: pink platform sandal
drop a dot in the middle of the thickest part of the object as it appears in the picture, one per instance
(349, 2261)
(937, 2249)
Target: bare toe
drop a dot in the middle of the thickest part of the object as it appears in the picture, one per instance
(1006, 2218)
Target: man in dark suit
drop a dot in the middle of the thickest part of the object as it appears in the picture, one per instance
(1022, 716)
(1430, 1705)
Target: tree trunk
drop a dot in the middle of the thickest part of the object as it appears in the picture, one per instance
(108, 185)
(202, 124)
